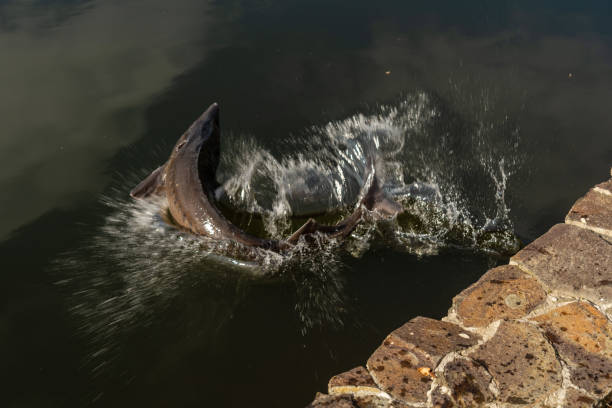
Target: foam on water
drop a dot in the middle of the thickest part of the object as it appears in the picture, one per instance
(449, 172)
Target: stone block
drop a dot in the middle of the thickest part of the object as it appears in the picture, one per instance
(504, 292)
(420, 343)
(395, 370)
(605, 187)
(372, 401)
(441, 400)
(356, 382)
(571, 260)
(593, 211)
(581, 324)
(577, 399)
(332, 401)
(606, 402)
(523, 364)
(582, 336)
(433, 338)
(468, 382)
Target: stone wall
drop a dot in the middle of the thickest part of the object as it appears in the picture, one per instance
(534, 333)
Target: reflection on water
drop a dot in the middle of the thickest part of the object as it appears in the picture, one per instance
(80, 76)
(480, 132)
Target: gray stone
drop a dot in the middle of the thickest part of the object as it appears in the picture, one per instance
(502, 293)
(593, 211)
(522, 363)
(571, 260)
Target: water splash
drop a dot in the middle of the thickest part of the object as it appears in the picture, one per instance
(449, 172)
(452, 185)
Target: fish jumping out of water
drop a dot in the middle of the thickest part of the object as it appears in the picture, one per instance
(188, 181)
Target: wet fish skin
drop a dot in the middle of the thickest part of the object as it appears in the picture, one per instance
(188, 180)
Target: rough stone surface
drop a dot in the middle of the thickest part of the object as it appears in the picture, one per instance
(332, 401)
(441, 400)
(501, 293)
(571, 260)
(372, 401)
(581, 324)
(522, 363)
(468, 382)
(356, 382)
(577, 399)
(432, 337)
(395, 370)
(606, 402)
(605, 187)
(593, 211)
(582, 336)
(540, 332)
(420, 343)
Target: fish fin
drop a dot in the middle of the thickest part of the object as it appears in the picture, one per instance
(153, 184)
(374, 198)
(387, 207)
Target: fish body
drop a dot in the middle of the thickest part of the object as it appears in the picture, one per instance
(188, 180)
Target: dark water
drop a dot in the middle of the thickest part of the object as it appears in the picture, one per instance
(97, 309)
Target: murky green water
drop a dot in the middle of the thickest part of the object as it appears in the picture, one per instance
(502, 107)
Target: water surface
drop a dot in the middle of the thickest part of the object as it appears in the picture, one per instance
(501, 109)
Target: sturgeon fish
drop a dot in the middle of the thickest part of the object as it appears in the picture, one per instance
(188, 181)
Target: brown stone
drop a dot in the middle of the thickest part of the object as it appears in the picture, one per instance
(571, 260)
(589, 371)
(395, 370)
(468, 382)
(504, 292)
(582, 336)
(432, 337)
(577, 399)
(522, 363)
(582, 325)
(605, 187)
(355, 381)
(332, 401)
(605, 402)
(441, 400)
(373, 401)
(593, 211)
(399, 364)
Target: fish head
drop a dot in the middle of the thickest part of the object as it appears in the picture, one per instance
(203, 140)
